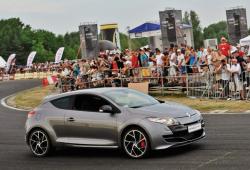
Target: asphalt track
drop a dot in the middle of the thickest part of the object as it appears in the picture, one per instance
(226, 146)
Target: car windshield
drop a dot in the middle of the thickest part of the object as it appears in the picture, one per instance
(130, 98)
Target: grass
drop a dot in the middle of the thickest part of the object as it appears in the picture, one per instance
(206, 105)
(31, 98)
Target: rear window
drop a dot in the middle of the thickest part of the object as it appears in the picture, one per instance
(64, 103)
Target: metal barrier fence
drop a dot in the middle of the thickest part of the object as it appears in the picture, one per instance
(163, 80)
(200, 85)
(208, 85)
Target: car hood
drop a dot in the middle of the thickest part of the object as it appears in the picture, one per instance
(168, 109)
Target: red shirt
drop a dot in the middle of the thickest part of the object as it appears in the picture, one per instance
(241, 53)
(224, 48)
(134, 61)
(114, 66)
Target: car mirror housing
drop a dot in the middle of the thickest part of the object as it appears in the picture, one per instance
(160, 101)
(106, 109)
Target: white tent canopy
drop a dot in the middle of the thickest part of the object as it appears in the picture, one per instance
(2, 62)
(245, 41)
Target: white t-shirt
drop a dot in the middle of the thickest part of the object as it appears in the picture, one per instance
(225, 74)
(181, 59)
(65, 72)
(173, 59)
(209, 59)
(159, 61)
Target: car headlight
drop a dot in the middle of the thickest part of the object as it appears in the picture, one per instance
(168, 121)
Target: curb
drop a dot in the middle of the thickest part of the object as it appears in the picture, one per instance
(4, 104)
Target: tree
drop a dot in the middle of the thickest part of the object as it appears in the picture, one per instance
(135, 43)
(15, 37)
(197, 31)
(18, 38)
(216, 30)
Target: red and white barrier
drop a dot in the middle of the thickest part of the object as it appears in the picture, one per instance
(50, 80)
(34, 75)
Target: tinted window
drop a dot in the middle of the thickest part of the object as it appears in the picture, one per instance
(63, 103)
(89, 103)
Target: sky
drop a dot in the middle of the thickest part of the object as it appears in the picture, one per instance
(61, 16)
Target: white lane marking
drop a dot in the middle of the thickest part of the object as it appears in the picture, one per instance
(219, 111)
(4, 104)
(214, 160)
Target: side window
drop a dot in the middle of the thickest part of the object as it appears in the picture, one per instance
(89, 103)
(64, 103)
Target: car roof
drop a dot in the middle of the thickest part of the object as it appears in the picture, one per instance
(85, 91)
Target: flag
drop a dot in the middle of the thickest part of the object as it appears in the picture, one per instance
(2, 62)
(31, 58)
(10, 60)
(59, 55)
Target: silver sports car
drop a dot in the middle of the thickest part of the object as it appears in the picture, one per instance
(111, 118)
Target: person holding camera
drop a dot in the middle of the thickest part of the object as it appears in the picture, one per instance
(225, 77)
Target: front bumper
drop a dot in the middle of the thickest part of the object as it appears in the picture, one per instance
(180, 136)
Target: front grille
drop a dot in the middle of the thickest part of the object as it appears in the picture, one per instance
(183, 136)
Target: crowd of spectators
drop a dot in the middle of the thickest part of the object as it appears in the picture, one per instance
(225, 64)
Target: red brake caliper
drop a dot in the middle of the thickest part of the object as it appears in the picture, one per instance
(142, 144)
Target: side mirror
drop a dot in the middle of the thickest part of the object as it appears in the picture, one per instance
(161, 101)
(106, 109)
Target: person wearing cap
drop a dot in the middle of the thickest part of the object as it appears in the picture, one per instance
(242, 62)
(225, 77)
(224, 47)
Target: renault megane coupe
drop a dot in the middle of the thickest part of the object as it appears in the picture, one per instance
(111, 118)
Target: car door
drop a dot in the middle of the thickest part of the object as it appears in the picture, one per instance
(56, 116)
(86, 125)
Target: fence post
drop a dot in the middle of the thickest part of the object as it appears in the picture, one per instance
(162, 78)
(187, 85)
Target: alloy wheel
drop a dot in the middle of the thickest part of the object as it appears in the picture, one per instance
(39, 143)
(135, 143)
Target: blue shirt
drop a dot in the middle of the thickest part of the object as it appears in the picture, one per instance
(144, 60)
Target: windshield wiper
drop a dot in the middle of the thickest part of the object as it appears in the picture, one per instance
(134, 107)
(139, 106)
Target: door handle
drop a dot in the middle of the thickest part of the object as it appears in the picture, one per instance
(71, 119)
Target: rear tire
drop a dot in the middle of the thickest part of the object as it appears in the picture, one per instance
(135, 143)
(39, 143)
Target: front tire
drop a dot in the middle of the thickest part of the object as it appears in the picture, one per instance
(39, 143)
(135, 143)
